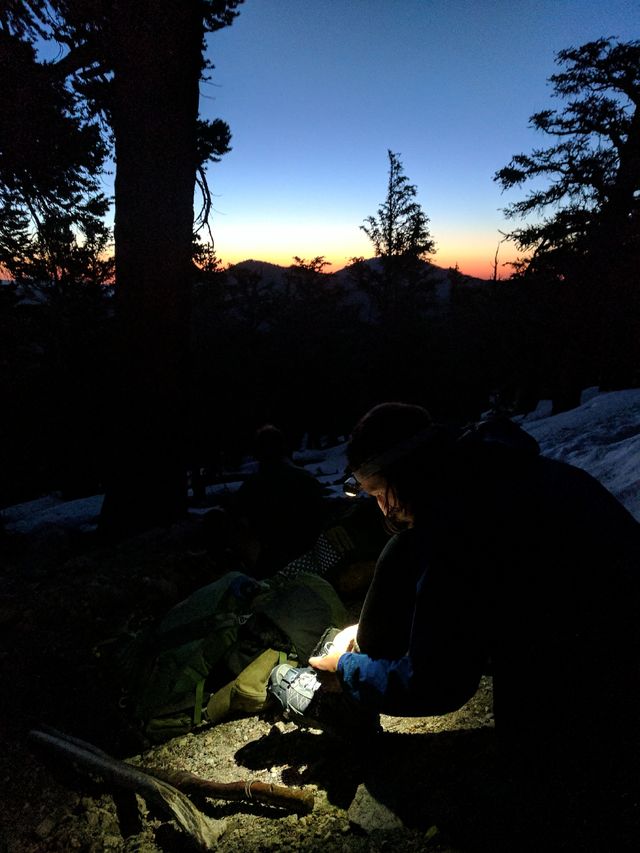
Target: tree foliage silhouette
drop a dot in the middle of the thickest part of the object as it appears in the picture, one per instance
(138, 66)
(401, 227)
(591, 174)
(402, 241)
(51, 205)
(586, 188)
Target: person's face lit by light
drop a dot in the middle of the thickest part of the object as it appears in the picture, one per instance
(378, 488)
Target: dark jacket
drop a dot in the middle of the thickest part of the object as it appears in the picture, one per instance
(517, 565)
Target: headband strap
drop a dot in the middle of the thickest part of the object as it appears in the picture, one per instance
(377, 463)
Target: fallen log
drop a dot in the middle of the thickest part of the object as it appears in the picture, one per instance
(296, 799)
(167, 789)
(168, 800)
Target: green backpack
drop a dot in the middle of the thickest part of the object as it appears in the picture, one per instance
(211, 655)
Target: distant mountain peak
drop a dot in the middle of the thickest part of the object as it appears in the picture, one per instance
(267, 267)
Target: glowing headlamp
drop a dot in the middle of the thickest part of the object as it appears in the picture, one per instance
(351, 488)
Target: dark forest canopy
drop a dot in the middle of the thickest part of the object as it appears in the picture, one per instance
(129, 77)
(194, 358)
(58, 133)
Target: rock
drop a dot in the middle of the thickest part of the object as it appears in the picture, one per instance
(370, 815)
(45, 827)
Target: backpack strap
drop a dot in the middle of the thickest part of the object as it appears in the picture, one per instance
(247, 692)
(197, 708)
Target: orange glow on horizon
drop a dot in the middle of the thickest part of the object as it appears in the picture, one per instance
(472, 247)
(469, 263)
(473, 260)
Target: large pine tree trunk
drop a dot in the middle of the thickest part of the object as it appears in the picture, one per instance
(158, 48)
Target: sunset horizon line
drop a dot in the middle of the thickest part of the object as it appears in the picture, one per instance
(474, 269)
(483, 270)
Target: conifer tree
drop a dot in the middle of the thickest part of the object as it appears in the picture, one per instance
(401, 227)
(138, 65)
(52, 206)
(402, 241)
(586, 185)
(586, 191)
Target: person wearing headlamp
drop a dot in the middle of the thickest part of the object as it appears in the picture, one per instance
(504, 562)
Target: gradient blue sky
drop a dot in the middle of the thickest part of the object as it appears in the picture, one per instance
(316, 92)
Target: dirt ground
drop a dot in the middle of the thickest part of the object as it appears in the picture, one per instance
(428, 784)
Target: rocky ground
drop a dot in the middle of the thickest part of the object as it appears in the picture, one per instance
(426, 784)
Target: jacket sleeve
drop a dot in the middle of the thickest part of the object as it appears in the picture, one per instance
(447, 647)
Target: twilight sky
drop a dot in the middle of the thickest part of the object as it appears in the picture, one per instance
(316, 91)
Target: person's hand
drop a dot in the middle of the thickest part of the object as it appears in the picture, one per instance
(326, 663)
(325, 667)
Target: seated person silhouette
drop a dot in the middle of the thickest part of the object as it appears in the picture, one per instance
(280, 508)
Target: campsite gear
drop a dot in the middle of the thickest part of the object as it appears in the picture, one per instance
(302, 701)
(355, 538)
(326, 644)
(247, 693)
(294, 689)
(351, 488)
(211, 655)
(166, 789)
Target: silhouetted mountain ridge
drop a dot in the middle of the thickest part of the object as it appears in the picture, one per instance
(439, 281)
(274, 272)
